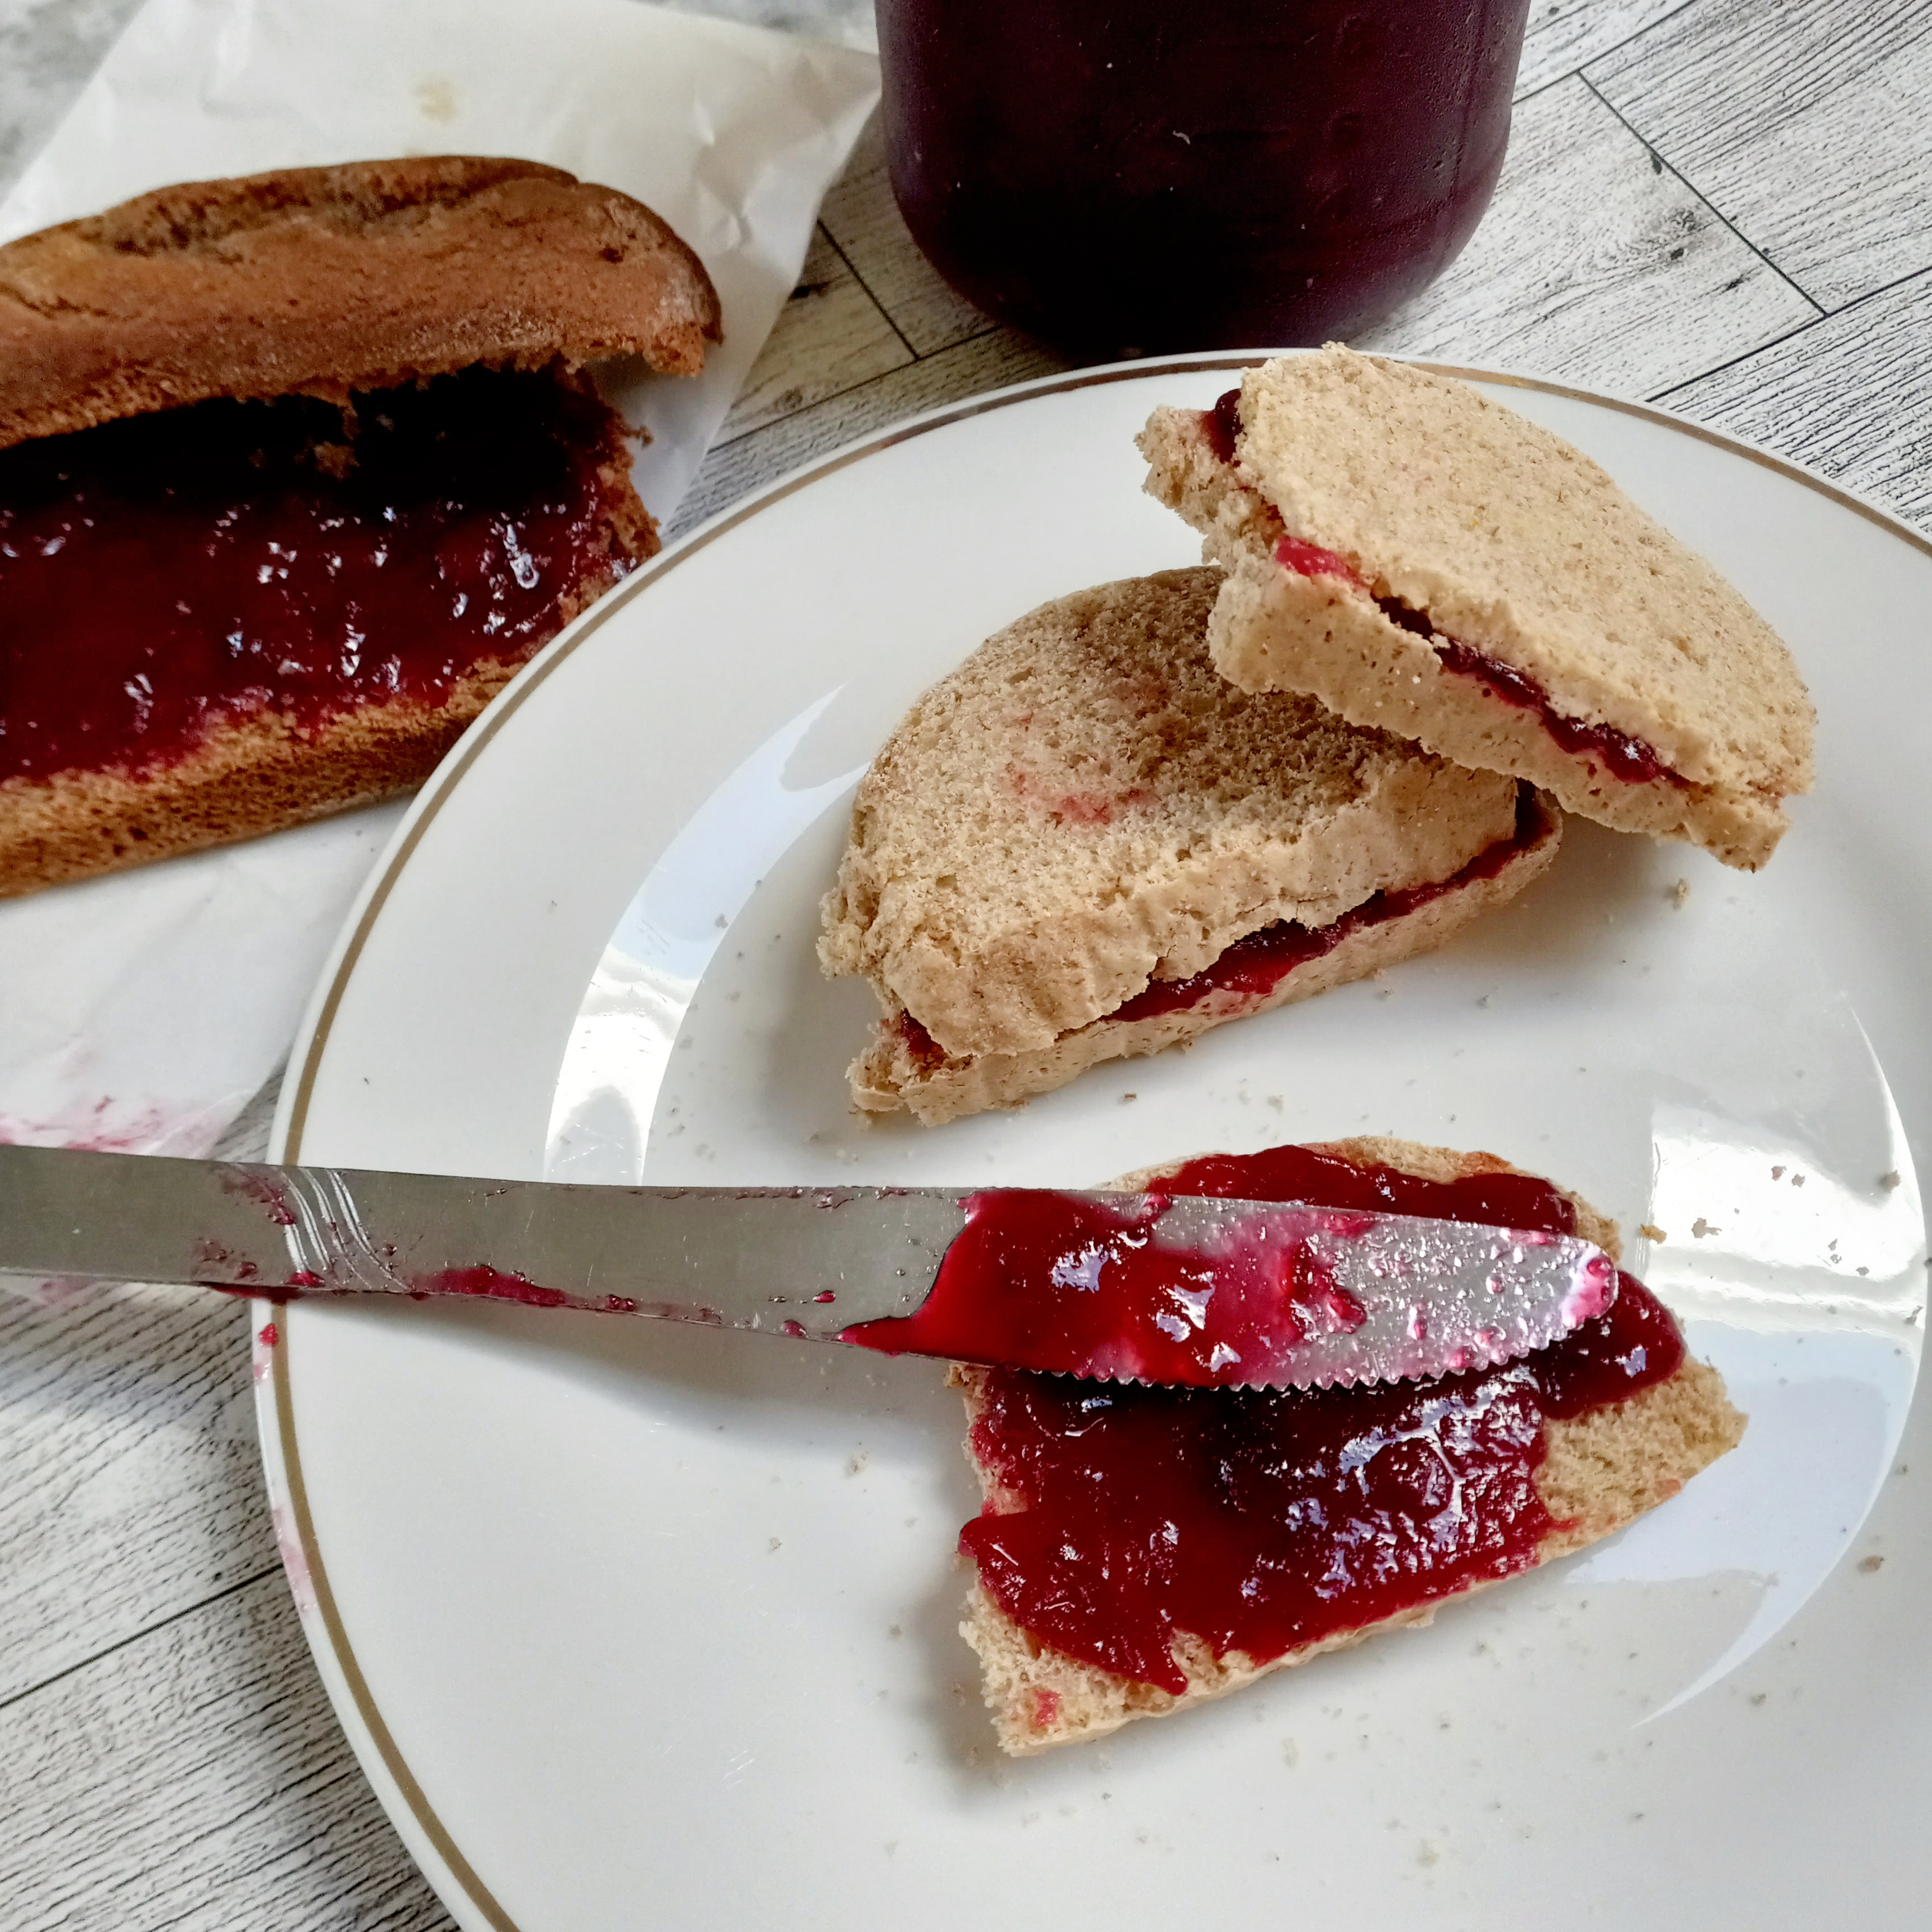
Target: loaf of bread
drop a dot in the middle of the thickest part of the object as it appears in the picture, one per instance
(1084, 817)
(221, 401)
(1598, 1471)
(1420, 559)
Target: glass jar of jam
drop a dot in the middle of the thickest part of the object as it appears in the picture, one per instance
(1137, 175)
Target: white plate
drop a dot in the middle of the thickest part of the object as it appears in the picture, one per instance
(631, 1626)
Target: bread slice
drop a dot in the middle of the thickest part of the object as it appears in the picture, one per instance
(1085, 811)
(1601, 1470)
(326, 281)
(285, 324)
(1420, 559)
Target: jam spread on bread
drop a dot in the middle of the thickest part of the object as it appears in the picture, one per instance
(1251, 968)
(1620, 755)
(167, 573)
(1263, 1521)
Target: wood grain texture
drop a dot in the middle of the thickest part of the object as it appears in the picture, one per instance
(134, 1486)
(1560, 35)
(1807, 123)
(196, 1780)
(863, 218)
(1595, 264)
(1851, 396)
(829, 337)
(732, 469)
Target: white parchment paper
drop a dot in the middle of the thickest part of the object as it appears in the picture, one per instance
(143, 1011)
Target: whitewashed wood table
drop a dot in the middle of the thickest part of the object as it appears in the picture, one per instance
(1722, 205)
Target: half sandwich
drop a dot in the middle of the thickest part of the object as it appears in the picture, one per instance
(1085, 844)
(1420, 559)
(296, 470)
(1144, 1549)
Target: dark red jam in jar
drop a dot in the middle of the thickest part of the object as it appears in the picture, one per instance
(1262, 1521)
(162, 574)
(1144, 174)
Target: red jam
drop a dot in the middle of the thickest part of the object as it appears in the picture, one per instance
(163, 574)
(1262, 1521)
(1251, 968)
(1622, 756)
(1223, 424)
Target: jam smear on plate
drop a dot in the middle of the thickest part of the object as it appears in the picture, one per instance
(163, 573)
(1262, 1521)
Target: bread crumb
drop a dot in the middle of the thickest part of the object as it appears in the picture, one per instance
(857, 1462)
(772, 1542)
(1869, 1563)
(1679, 893)
(1797, 1180)
(1652, 1234)
(1777, 1173)
(1889, 1179)
(1130, 1096)
(1700, 1228)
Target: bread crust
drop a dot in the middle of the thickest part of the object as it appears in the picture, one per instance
(1085, 805)
(891, 1074)
(1512, 542)
(1601, 1470)
(323, 281)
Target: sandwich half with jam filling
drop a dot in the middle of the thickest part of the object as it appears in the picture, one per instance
(1085, 844)
(1420, 559)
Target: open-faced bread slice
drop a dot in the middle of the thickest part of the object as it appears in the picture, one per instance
(1085, 844)
(1419, 558)
(295, 471)
(1515, 1467)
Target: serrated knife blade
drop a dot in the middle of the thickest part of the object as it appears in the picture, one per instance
(1177, 1289)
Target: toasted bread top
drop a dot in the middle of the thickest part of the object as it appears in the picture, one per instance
(321, 281)
(1519, 546)
(1085, 804)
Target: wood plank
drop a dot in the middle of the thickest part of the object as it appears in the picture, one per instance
(862, 216)
(134, 1484)
(829, 337)
(196, 1779)
(985, 361)
(1561, 34)
(1596, 265)
(1805, 126)
(1842, 397)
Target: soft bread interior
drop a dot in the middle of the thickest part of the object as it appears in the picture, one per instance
(901, 1070)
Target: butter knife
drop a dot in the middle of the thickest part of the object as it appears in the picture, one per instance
(1177, 1289)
